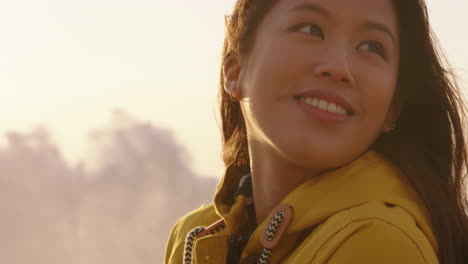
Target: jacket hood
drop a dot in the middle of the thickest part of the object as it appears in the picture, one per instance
(371, 177)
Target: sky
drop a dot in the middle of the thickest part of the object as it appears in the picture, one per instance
(67, 65)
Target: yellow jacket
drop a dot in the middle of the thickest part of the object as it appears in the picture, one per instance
(364, 212)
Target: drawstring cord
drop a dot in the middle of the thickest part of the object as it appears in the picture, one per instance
(191, 238)
(270, 234)
(189, 244)
(264, 257)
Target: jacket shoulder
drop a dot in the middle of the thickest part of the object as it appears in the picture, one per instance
(373, 232)
(203, 216)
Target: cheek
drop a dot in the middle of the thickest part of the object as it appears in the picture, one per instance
(273, 75)
(374, 76)
(280, 59)
(271, 81)
(377, 92)
(280, 68)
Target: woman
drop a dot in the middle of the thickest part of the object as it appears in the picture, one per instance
(343, 140)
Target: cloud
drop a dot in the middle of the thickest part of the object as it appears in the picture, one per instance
(119, 209)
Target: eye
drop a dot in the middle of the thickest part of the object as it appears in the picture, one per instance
(309, 28)
(373, 47)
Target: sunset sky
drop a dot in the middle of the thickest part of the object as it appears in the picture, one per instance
(67, 65)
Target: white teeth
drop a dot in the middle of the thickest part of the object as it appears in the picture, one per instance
(331, 108)
(324, 105)
(315, 102)
(340, 110)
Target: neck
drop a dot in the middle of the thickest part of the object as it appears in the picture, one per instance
(273, 177)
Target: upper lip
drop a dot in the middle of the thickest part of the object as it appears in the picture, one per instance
(329, 97)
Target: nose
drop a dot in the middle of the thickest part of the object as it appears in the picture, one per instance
(334, 66)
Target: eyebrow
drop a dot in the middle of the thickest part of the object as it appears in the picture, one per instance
(371, 25)
(368, 25)
(310, 7)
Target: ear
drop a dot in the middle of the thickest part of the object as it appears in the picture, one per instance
(392, 115)
(231, 72)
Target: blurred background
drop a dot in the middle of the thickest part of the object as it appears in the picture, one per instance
(109, 130)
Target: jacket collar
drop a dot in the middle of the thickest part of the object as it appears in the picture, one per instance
(371, 177)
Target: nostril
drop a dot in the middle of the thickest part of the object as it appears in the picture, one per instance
(343, 78)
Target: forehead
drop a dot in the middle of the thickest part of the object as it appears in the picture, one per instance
(358, 10)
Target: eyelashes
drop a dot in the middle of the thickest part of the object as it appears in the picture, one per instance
(375, 47)
(309, 28)
(371, 46)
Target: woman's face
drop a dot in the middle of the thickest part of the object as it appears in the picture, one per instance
(317, 84)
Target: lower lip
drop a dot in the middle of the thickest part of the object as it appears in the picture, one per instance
(321, 115)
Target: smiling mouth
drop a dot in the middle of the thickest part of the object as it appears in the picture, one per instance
(324, 105)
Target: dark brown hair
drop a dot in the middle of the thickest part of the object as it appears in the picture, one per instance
(428, 144)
